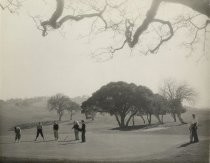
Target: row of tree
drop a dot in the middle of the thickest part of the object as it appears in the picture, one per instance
(124, 101)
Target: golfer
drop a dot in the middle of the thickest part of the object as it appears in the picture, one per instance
(55, 130)
(76, 130)
(39, 131)
(17, 134)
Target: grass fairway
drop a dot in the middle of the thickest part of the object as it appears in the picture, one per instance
(105, 143)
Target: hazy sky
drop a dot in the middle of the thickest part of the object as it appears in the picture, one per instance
(32, 65)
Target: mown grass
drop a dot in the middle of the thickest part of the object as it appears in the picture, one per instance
(106, 125)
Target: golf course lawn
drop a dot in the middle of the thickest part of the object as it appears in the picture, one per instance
(163, 143)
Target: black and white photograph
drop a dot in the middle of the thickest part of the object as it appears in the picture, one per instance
(104, 81)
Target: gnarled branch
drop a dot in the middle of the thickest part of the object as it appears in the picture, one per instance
(133, 40)
(54, 23)
(171, 33)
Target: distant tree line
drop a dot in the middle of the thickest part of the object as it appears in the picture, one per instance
(61, 103)
(124, 101)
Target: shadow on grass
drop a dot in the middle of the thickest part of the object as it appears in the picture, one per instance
(22, 141)
(185, 144)
(70, 142)
(66, 140)
(136, 127)
(7, 142)
(37, 160)
(30, 141)
(146, 126)
(42, 141)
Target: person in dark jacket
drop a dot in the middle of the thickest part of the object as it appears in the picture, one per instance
(55, 130)
(83, 130)
(193, 130)
(39, 131)
(76, 130)
(17, 134)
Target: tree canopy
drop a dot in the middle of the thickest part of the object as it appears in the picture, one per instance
(176, 93)
(116, 98)
(124, 101)
(159, 106)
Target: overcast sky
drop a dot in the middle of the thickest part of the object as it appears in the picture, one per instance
(32, 65)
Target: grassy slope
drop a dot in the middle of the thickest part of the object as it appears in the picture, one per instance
(103, 129)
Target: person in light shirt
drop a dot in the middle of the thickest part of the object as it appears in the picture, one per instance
(193, 130)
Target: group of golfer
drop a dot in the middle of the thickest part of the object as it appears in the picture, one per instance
(193, 130)
(39, 131)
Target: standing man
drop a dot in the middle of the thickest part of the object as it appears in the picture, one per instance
(39, 131)
(193, 130)
(83, 130)
(55, 130)
(76, 130)
(17, 134)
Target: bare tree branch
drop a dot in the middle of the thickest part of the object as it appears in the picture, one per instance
(54, 23)
(113, 50)
(133, 39)
(11, 5)
(122, 24)
(171, 33)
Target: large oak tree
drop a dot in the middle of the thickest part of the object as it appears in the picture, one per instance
(121, 100)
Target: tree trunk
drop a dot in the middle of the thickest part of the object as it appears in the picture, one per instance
(158, 118)
(117, 118)
(122, 122)
(162, 118)
(149, 118)
(142, 118)
(133, 120)
(71, 114)
(131, 116)
(173, 115)
(92, 116)
(180, 118)
(60, 116)
(85, 115)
